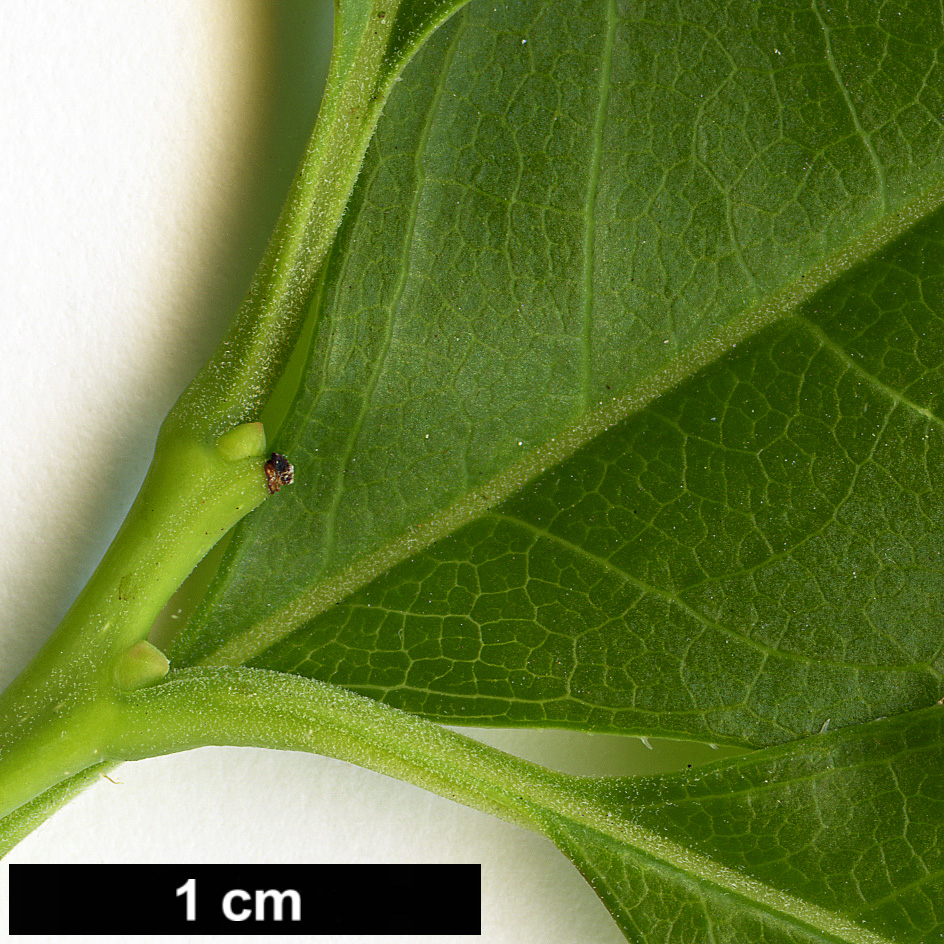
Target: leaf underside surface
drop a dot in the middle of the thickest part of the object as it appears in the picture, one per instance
(837, 838)
(622, 408)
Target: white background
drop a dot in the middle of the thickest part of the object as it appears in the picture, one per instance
(144, 149)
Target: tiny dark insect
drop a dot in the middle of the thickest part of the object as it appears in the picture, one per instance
(279, 472)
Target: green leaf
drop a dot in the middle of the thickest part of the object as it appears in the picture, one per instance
(751, 556)
(687, 260)
(836, 838)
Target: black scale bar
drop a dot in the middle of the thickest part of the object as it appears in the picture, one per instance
(245, 899)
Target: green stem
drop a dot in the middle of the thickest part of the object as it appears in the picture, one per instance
(372, 43)
(52, 747)
(21, 822)
(206, 474)
(54, 715)
(261, 708)
(232, 387)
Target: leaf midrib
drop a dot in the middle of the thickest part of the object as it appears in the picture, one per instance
(243, 646)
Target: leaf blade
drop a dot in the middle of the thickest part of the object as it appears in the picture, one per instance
(389, 493)
(533, 535)
(841, 829)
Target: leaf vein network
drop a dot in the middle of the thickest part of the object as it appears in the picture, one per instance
(405, 270)
(895, 396)
(682, 604)
(853, 111)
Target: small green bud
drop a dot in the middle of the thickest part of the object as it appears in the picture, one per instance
(241, 442)
(139, 666)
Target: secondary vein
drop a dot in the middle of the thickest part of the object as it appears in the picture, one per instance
(590, 205)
